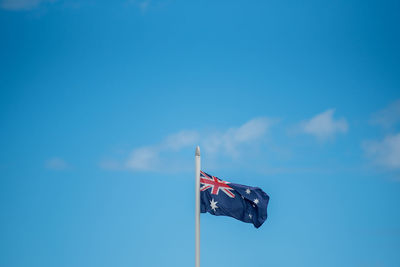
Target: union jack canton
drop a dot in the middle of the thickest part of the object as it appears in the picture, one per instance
(221, 198)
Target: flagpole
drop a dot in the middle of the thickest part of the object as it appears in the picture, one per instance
(197, 209)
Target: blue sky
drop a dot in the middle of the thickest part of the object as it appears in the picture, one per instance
(102, 105)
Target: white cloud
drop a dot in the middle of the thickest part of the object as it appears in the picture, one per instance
(228, 142)
(166, 153)
(144, 158)
(148, 158)
(385, 153)
(56, 163)
(22, 4)
(388, 116)
(324, 126)
(181, 139)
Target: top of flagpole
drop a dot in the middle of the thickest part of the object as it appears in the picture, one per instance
(197, 151)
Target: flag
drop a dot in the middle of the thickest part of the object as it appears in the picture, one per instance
(221, 198)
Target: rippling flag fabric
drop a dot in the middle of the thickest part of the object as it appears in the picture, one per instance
(221, 198)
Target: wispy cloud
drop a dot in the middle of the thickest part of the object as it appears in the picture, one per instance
(229, 141)
(22, 4)
(387, 117)
(150, 157)
(324, 126)
(180, 140)
(386, 152)
(144, 158)
(56, 163)
(226, 143)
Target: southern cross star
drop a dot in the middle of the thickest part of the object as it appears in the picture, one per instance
(248, 191)
(213, 205)
(250, 216)
(256, 201)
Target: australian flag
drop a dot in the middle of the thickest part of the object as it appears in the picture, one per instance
(221, 198)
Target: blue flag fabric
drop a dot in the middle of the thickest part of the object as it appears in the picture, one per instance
(245, 203)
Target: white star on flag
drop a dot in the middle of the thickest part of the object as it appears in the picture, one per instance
(213, 205)
(248, 191)
(256, 201)
(250, 216)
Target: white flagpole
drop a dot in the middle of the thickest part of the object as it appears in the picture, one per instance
(197, 209)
